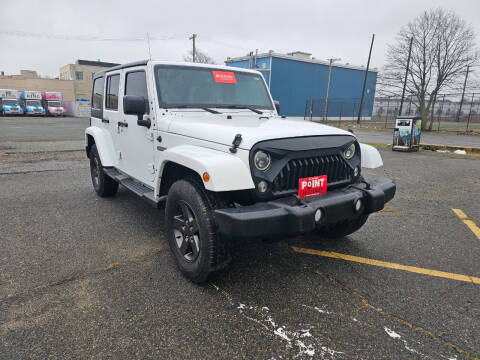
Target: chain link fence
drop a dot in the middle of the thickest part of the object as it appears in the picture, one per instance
(450, 113)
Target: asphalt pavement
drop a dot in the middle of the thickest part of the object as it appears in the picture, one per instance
(87, 277)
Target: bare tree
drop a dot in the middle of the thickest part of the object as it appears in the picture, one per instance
(443, 46)
(200, 57)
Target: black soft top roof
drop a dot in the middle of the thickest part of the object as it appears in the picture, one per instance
(123, 66)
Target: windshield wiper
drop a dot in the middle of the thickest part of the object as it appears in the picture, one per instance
(243, 107)
(211, 110)
(197, 107)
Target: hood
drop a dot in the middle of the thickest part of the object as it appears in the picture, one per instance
(219, 129)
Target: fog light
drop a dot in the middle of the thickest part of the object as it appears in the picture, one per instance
(358, 205)
(356, 171)
(262, 186)
(318, 215)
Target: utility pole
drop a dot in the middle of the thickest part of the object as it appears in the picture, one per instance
(463, 94)
(406, 75)
(331, 60)
(193, 37)
(365, 81)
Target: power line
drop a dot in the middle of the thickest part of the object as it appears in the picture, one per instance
(88, 37)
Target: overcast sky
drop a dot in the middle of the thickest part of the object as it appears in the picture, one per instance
(325, 28)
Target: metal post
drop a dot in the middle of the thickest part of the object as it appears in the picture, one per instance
(463, 94)
(441, 112)
(331, 60)
(470, 113)
(340, 118)
(194, 54)
(365, 80)
(386, 115)
(311, 110)
(410, 106)
(406, 75)
(250, 60)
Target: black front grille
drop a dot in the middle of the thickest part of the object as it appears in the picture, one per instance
(334, 166)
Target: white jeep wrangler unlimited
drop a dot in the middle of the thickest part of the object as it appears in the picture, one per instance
(209, 143)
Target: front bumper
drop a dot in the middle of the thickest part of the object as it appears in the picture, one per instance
(292, 216)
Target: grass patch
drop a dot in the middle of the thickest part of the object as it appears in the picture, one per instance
(382, 146)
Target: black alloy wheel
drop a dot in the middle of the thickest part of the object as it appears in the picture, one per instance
(186, 231)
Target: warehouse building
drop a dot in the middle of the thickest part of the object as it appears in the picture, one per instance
(295, 79)
(74, 82)
(81, 73)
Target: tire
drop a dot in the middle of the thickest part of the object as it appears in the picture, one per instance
(343, 228)
(104, 185)
(191, 232)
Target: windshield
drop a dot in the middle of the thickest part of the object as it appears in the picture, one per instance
(33, 102)
(182, 86)
(9, 102)
(54, 104)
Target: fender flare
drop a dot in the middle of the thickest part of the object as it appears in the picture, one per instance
(227, 172)
(104, 144)
(371, 158)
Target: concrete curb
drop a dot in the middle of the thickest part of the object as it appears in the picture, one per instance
(471, 149)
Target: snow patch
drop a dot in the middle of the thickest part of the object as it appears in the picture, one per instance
(281, 332)
(316, 308)
(392, 333)
(302, 340)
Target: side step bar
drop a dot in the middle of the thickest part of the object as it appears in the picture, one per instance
(134, 186)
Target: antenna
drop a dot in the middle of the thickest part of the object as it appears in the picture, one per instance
(148, 42)
(194, 51)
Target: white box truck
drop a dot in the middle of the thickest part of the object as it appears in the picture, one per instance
(32, 103)
(10, 102)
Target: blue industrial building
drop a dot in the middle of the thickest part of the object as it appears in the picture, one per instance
(297, 78)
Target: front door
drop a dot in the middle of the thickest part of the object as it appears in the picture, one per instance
(137, 142)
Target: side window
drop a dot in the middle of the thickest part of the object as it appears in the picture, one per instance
(136, 84)
(97, 97)
(111, 96)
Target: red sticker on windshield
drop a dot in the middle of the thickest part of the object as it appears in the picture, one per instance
(227, 77)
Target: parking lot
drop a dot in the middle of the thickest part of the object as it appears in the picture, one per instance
(89, 277)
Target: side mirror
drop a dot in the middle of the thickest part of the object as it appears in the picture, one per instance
(136, 105)
(277, 106)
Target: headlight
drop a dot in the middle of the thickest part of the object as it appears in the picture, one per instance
(349, 152)
(262, 160)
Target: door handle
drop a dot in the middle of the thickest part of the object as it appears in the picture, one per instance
(122, 124)
(106, 121)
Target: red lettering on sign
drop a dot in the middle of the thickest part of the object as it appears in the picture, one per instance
(315, 185)
(227, 77)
